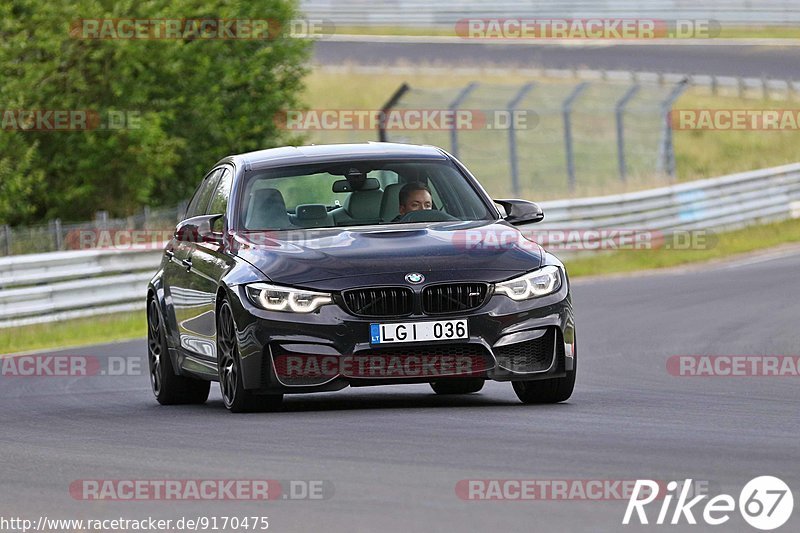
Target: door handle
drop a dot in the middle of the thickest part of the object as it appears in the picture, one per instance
(169, 253)
(187, 263)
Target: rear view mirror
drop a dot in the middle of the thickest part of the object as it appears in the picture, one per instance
(199, 229)
(370, 184)
(519, 212)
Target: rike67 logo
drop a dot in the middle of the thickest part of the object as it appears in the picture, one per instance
(765, 502)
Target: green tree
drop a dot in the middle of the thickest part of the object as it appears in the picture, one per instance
(186, 103)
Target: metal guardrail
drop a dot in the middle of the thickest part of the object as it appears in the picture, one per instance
(49, 287)
(724, 203)
(423, 13)
(41, 288)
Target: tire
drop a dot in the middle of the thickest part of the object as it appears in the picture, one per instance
(458, 386)
(235, 397)
(553, 390)
(168, 387)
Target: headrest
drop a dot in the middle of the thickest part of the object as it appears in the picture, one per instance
(390, 204)
(364, 204)
(311, 212)
(267, 210)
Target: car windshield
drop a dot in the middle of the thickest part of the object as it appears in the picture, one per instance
(355, 193)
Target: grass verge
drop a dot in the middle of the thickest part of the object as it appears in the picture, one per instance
(132, 325)
(725, 245)
(77, 332)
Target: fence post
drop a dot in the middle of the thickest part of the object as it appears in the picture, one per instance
(566, 111)
(7, 238)
(512, 137)
(619, 110)
(59, 240)
(101, 219)
(454, 106)
(398, 94)
(666, 155)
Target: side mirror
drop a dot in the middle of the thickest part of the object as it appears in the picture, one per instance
(199, 229)
(521, 212)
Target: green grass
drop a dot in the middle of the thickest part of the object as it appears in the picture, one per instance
(722, 245)
(701, 154)
(78, 332)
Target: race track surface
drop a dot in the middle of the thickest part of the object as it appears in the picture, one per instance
(711, 59)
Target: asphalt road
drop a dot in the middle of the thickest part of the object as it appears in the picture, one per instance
(394, 454)
(721, 60)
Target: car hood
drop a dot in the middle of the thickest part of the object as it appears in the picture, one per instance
(339, 258)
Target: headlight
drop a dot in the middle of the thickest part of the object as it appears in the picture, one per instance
(275, 298)
(542, 282)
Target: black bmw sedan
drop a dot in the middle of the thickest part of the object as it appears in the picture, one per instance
(310, 269)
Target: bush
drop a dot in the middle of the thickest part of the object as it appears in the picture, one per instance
(183, 104)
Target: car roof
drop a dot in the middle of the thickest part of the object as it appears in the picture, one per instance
(323, 153)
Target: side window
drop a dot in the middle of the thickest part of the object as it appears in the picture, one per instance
(202, 195)
(437, 201)
(219, 199)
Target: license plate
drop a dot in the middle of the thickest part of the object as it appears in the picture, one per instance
(437, 330)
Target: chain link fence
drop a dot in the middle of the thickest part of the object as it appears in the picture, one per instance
(550, 139)
(56, 236)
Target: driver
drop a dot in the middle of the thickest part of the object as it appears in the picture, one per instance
(414, 196)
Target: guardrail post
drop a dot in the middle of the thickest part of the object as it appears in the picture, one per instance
(398, 94)
(454, 106)
(666, 152)
(512, 137)
(566, 111)
(619, 111)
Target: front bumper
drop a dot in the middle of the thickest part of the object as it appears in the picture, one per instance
(508, 340)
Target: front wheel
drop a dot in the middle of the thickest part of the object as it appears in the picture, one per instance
(231, 384)
(552, 390)
(168, 387)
